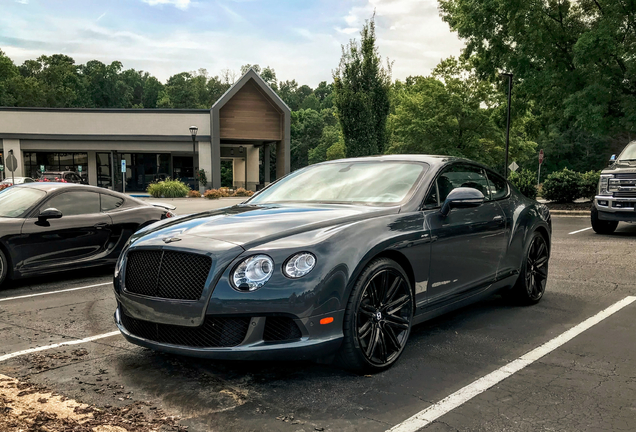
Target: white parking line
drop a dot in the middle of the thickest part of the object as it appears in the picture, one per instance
(47, 347)
(581, 230)
(461, 396)
(54, 292)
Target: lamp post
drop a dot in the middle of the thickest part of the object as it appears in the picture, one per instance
(193, 133)
(509, 75)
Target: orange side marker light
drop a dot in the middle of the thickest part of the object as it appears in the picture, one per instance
(328, 320)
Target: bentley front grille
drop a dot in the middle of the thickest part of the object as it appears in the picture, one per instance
(167, 274)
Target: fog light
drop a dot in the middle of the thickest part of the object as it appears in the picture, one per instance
(603, 203)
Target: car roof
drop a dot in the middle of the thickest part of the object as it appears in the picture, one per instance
(433, 160)
(53, 186)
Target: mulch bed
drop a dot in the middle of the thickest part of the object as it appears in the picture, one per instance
(579, 206)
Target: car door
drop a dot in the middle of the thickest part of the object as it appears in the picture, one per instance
(80, 235)
(468, 243)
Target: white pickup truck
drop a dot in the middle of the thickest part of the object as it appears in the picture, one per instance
(616, 198)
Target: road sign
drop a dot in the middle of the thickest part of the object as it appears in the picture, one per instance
(513, 166)
(79, 168)
(42, 168)
(12, 163)
(123, 166)
(541, 157)
(1, 167)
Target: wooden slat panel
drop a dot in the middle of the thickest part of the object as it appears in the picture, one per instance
(250, 115)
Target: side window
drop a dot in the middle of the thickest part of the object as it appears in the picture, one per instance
(498, 186)
(68, 177)
(110, 202)
(74, 203)
(431, 200)
(462, 175)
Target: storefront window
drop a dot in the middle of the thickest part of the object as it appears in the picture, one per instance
(55, 162)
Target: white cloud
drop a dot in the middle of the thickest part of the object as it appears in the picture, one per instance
(181, 4)
(22, 1)
(409, 32)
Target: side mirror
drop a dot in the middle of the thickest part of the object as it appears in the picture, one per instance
(49, 213)
(613, 158)
(462, 197)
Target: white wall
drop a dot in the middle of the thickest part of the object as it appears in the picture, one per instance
(12, 144)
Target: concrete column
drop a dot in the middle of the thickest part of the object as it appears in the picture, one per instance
(266, 170)
(92, 168)
(205, 162)
(13, 144)
(283, 157)
(253, 167)
(238, 172)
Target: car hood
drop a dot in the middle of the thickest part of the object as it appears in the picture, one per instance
(621, 166)
(250, 225)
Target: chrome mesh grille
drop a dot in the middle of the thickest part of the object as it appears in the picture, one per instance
(280, 329)
(167, 274)
(214, 333)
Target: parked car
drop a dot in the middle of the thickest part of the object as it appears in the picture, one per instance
(49, 227)
(616, 198)
(62, 176)
(18, 180)
(337, 259)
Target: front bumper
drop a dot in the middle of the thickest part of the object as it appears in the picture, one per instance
(317, 341)
(615, 208)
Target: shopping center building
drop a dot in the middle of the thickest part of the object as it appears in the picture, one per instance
(243, 127)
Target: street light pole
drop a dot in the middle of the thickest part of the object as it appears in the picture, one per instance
(193, 133)
(509, 75)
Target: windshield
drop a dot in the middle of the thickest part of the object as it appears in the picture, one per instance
(346, 182)
(629, 153)
(15, 201)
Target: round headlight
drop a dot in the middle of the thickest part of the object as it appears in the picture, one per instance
(299, 265)
(252, 273)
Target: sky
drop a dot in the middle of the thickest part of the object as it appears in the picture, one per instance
(299, 39)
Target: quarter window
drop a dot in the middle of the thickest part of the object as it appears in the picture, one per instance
(498, 186)
(74, 203)
(110, 202)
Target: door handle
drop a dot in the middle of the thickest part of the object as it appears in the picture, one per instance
(498, 219)
(100, 225)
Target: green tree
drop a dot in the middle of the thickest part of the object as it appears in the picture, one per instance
(453, 112)
(573, 66)
(361, 95)
(306, 132)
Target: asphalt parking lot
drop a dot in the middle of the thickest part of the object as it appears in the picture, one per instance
(586, 383)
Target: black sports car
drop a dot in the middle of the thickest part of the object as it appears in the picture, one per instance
(49, 227)
(337, 259)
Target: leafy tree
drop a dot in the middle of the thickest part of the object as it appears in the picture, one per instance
(8, 72)
(306, 132)
(361, 95)
(573, 66)
(455, 113)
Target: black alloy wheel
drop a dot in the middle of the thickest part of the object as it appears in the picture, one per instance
(378, 318)
(533, 276)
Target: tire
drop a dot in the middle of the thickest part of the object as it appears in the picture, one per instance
(600, 226)
(4, 268)
(378, 318)
(533, 275)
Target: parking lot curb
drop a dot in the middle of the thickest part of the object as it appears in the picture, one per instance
(570, 212)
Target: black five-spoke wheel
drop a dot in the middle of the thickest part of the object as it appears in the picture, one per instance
(379, 316)
(537, 268)
(533, 275)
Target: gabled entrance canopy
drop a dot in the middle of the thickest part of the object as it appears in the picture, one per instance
(251, 113)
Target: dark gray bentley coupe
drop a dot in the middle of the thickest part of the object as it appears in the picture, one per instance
(337, 260)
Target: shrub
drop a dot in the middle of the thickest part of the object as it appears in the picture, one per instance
(589, 184)
(526, 181)
(194, 194)
(242, 192)
(168, 189)
(214, 194)
(562, 186)
(202, 179)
